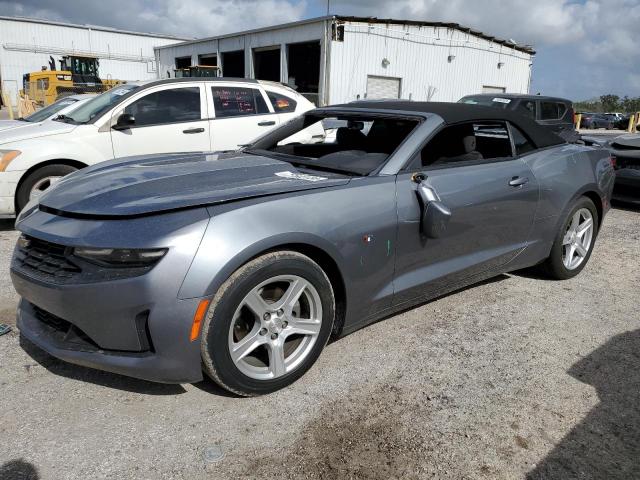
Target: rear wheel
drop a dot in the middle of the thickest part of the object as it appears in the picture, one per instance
(574, 241)
(268, 324)
(38, 181)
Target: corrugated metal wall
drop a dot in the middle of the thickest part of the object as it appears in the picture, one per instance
(25, 46)
(277, 36)
(419, 56)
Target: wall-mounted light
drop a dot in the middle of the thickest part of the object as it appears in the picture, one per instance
(385, 62)
(451, 58)
(500, 64)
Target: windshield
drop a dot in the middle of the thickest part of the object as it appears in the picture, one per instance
(98, 105)
(487, 101)
(355, 143)
(46, 112)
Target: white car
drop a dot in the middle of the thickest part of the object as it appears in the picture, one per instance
(164, 116)
(60, 107)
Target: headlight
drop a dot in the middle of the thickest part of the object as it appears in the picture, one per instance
(6, 156)
(120, 257)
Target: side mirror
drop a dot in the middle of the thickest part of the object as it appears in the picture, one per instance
(435, 215)
(124, 122)
(435, 219)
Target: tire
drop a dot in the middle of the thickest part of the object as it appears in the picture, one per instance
(556, 264)
(37, 178)
(230, 321)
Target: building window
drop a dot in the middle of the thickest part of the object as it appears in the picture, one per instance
(492, 89)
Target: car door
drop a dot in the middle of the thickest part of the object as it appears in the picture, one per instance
(492, 196)
(241, 113)
(167, 118)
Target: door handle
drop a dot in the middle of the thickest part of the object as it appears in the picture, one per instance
(518, 181)
(193, 130)
(267, 123)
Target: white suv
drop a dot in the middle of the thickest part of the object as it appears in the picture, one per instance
(165, 116)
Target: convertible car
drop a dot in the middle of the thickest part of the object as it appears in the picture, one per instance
(243, 264)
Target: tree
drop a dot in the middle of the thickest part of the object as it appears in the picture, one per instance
(610, 103)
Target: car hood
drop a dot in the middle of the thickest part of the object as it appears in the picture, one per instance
(13, 124)
(34, 130)
(150, 184)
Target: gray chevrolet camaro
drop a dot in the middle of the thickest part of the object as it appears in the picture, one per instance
(243, 264)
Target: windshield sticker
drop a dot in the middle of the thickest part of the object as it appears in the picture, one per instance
(300, 176)
(501, 100)
(120, 91)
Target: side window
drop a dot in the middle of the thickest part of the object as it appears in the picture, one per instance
(174, 105)
(468, 143)
(521, 143)
(528, 108)
(281, 103)
(562, 109)
(552, 110)
(238, 101)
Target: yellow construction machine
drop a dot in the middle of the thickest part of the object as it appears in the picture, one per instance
(76, 75)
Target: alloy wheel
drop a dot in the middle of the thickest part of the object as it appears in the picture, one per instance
(41, 185)
(275, 327)
(577, 239)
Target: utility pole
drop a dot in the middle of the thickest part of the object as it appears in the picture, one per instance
(328, 4)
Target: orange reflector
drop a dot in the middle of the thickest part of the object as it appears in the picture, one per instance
(201, 311)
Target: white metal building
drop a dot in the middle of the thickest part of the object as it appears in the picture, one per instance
(26, 45)
(341, 59)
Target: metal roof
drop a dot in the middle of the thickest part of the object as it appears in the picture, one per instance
(456, 26)
(527, 96)
(389, 21)
(92, 27)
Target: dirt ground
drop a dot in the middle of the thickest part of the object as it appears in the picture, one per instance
(518, 377)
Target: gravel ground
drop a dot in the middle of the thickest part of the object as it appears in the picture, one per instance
(518, 377)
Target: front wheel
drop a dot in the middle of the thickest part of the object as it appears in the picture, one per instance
(38, 181)
(574, 241)
(267, 324)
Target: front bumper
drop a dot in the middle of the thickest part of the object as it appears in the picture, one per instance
(177, 364)
(8, 185)
(135, 326)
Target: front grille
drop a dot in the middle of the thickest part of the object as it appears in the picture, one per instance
(64, 332)
(44, 259)
(71, 337)
(51, 320)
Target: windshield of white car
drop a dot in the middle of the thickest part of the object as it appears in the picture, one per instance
(44, 113)
(356, 144)
(98, 105)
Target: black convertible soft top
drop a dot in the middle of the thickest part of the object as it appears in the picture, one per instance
(453, 113)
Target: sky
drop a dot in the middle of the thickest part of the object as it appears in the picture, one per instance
(585, 48)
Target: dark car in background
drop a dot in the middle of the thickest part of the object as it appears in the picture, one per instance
(593, 121)
(621, 121)
(553, 112)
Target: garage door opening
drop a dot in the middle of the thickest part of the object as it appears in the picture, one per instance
(233, 64)
(266, 64)
(383, 87)
(303, 62)
(183, 62)
(208, 59)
